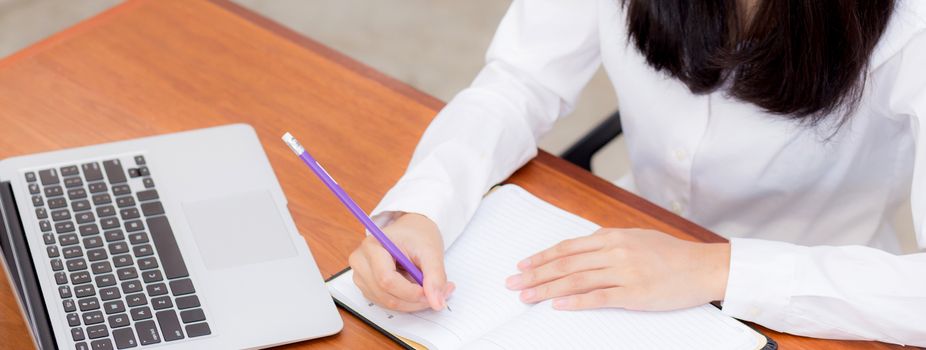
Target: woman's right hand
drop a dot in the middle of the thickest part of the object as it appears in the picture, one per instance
(376, 274)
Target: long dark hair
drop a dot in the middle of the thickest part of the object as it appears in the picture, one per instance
(803, 59)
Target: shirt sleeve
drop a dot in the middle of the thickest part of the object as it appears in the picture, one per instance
(542, 55)
(848, 292)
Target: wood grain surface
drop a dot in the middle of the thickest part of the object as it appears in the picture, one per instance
(152, 67)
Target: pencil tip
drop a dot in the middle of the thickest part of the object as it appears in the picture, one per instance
(448, 308)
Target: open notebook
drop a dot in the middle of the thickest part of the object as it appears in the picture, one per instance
(510, 225)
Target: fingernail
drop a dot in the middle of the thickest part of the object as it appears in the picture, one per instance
(524, 264)
(513, 281)
(528, 295)
(560, 303)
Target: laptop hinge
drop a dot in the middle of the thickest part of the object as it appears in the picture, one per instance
(17, 259)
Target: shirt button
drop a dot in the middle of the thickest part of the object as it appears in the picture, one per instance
(677, 207)
(681, 155)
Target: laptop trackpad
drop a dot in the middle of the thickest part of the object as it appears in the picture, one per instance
(238, 230)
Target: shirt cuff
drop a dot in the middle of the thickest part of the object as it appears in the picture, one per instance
(761, 279)
(427, 197)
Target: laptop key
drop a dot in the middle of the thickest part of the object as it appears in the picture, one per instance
(97, 187)
(166, 244)
(121, 190)
(96, 254)
(102, 344)
(84, 291)
(125, 201)
(93, 242)
(77, 193)
(64, 227)
(147, 263)
(60, 214)
(142, 250)
(114, 307)
(48, 176)
(147, 332)
(188, 301)
(55, 203)
(116, 321)
(137, 299)
(44, 225)
(124, 338)
(48, 238)
(129, 213)
(80, 205)
(56, 265)
(53, 191)
(68, 239)
(182, 287)
(85, 217)
(151, 276)
(134, 225)
(69, 305)
(156, 289)
(109, 223)
(30, 176)
(138, 238)
(101, 267)
(41, 213)
(64, 292)
(131, 286)
(70, 170)
(105, 280)
(148, 182)
(114, 235)
(140, 313)
(52, 251)
(102, 198)
(73, 319)
(139, 160)
(107, 294)
(106, 211)
(34, 189)
(114, 171)
(72, 252)
(89, 229)
(77, 333)
(144, 171)
(92, 171)
(37, 201)
(80, 277)
(147, 195)
(88, 304)
(162, 302)
(121, 260)
(93, 317)
(76, 264)
(170, 325)
(194, 315)
(126, 273)
(81, 346)
(198, 330)
(133, 173)
(98, 331)
(73, 182)
(152, 209)
(61, 278)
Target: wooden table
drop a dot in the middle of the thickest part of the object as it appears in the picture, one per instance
(152, 67)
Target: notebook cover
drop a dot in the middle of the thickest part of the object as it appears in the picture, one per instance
(410, 345)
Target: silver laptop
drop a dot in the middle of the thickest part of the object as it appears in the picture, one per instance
(179, 241)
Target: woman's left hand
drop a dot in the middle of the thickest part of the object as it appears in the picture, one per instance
(625, 268)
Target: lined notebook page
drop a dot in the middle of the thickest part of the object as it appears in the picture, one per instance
(510, 225)
(543, 327)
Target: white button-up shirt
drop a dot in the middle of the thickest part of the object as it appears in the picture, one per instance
(808, 212)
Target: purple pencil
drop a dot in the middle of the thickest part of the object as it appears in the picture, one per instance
(322, 174)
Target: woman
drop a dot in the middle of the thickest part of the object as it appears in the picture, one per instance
(790, 127)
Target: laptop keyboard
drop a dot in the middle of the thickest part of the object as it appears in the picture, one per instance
(120, 275)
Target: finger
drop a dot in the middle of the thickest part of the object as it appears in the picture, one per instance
(386, 279)
(391, 302)
(574, 284)
(599, 298)
(435, 278)
(564, 248)
(557, 268)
